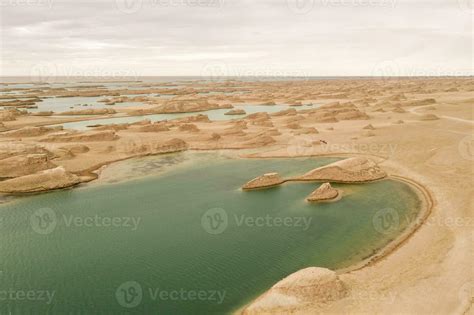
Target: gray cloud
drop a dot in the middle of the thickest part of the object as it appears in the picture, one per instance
(189, 37)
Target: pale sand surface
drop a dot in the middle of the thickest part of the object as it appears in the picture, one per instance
(432, 272)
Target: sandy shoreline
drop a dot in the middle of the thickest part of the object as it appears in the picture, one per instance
(413, 135)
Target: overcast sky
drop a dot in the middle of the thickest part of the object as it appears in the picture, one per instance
(236, 37)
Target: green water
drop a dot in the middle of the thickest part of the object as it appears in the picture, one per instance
(174, 247)
(214, 114)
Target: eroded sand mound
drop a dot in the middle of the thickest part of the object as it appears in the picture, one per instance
(358, 169)
(10, 114)
(286, 112)
(368, 133)
(259, 141)
(115, 127)
(83, 137)
(306, 131)
(398, 110)
(195, 118)
(55, 178)
(76, 148)
(90, 111)
(152, 147)
(31, 131)
(156, 127)
(293, 126)
(309, 286)
(43, 113)
(236, 112)
(257, 116)
(325, 192)
(13, 148)
(266, 180)
(188, 127)
(24, 164)
(263, 122)
(429, 117)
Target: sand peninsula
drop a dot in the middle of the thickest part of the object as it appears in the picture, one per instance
(351, 170)
(428, 272)
(264, 181)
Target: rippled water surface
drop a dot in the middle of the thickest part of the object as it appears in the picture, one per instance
(112, 248)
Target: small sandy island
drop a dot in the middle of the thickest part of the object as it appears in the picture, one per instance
(264, 181)
(325, 192)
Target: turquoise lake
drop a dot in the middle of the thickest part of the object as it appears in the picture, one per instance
(185, 239)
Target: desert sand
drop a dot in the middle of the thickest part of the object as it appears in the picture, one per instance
(419, 130)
